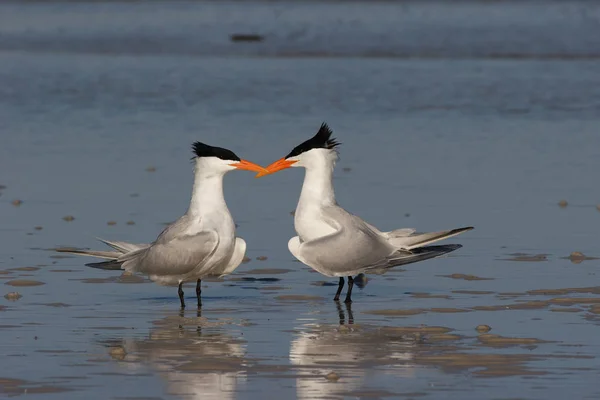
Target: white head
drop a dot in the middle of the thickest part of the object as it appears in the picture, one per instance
(212, 160)
(318, 151)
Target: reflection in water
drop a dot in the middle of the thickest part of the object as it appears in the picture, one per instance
(351, 351)
(342, 315)
(197, 360)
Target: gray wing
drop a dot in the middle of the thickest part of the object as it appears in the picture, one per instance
(353, 246)
(371, 227)
(174, 230)
(178, 256)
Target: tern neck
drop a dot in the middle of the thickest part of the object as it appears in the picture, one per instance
(207, 194)
(318, 183)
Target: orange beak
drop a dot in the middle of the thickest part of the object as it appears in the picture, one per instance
(248, 166)
(276, 166)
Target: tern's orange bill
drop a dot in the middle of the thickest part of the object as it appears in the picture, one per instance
(276, 166)
(248, 166)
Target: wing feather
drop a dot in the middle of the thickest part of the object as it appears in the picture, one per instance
(352, 247)
(179, 256)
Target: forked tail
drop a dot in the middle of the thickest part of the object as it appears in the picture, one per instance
(408, 257)
(414, 241)
(110, 255)
(120, 249)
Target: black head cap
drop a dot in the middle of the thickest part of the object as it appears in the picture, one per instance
(322, 140)
(204, 150)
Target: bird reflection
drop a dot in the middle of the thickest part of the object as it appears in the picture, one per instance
(197, 359)
(342, 315)
(351, 351)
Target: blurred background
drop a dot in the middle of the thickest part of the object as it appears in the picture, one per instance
(450, 113)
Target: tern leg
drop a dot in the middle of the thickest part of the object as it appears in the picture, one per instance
(340, 287)
(349, 292)
(199, 292)
(180, 292)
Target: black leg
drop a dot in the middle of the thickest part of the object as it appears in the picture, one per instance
(340, 287)
(180, 292)
(199, 292)
(349, 292)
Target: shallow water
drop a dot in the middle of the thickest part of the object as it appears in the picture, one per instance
(98, 128)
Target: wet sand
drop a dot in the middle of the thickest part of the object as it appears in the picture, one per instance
(302, 345)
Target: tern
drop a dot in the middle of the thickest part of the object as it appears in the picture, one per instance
(201, 243)
(333, 241)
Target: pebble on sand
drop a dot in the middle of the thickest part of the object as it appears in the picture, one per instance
(111, 223)
(117, 352)
(483, 328)
(130, 222)
(323, 283)
(563, 203)
(246, 37)
(68, 218)
(332, 377)
(13, 296)
(578, 257)
(16, 202)
(261, 258)
(24, 282)
(38, 228)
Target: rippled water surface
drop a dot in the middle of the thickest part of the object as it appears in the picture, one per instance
(450, 114)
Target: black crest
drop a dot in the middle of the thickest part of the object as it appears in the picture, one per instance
(322, 140)
(204, 150)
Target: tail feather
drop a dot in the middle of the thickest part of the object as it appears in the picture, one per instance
(106, 265)
(413, 242)
(413, 256)
(435, 251)
(123, 247)
(111, 255)
(423, 253)
(124, 256)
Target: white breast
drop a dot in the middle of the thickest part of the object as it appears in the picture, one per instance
(223, 224)
(309, 223)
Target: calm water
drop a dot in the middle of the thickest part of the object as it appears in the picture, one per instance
(450, 114)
